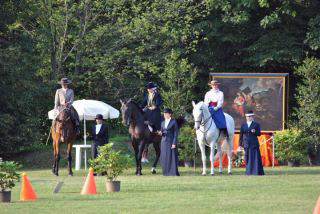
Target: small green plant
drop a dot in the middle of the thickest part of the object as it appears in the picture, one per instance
(186, 143)
(290, 145)
(110, 162)
(8, 174)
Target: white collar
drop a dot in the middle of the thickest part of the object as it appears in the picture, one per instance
(215, 90)
(166, 122)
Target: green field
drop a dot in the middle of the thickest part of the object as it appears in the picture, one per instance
(282, 190)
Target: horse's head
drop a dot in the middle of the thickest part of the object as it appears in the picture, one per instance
(126, 112)
(197, 113)
(63, 117)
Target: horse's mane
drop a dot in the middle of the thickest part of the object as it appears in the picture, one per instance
(138, 107)
(180, 121)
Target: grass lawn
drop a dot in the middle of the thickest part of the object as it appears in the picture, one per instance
(282, 190)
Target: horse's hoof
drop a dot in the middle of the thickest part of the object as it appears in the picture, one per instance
(153, 172)
(230, 173)
(203, 174)
(220, 173)
(70, 174)
(212, 174)
(55, 174)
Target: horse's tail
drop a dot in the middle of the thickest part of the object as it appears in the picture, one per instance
(180, 121)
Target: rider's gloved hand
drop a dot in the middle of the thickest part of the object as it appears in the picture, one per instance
(215, 108)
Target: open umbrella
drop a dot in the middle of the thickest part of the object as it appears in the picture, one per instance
(88, 109)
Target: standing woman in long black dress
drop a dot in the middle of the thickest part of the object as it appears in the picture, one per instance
(249, 133)
(169, 155)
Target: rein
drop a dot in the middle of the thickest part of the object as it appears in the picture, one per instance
(204, 123)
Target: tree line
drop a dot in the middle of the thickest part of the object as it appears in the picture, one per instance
(110, 49)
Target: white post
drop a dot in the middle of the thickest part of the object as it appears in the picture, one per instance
(272, 152)
(194, 154)
(85, 141)
(78, 157)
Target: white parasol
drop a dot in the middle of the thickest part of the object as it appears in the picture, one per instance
(88, 109)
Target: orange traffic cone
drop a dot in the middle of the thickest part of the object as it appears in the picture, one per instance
(316, 209)
(26, 193)
(89, 187)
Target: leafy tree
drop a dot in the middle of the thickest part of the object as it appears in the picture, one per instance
(308, 110)
(178, 81)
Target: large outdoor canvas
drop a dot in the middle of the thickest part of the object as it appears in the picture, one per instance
(264, 93)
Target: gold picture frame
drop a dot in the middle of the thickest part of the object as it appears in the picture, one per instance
(266, 94)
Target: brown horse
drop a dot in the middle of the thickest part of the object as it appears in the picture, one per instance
(134, 117)
(62, 131)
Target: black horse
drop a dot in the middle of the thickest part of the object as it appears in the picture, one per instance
(134, 117)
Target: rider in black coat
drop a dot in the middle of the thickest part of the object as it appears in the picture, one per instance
(151, 106)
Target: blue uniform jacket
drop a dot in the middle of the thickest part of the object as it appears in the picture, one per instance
(157, 100)
(247, 138)
(170, 134)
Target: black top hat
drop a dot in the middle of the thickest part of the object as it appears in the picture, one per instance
(99, 117)
(150, 85)
(249, 113)
(167, 110)
(64, 81)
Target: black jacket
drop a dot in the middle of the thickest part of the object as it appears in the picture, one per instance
(102, 137)
(247, 138)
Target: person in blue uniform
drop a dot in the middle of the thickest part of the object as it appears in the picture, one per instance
(249, 133)
(169, 154)
(151, 106)
(99, 134)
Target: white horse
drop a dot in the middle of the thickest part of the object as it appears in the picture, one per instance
(208, 134)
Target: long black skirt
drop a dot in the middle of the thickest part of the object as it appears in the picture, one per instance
(253, 161)
(169, 160)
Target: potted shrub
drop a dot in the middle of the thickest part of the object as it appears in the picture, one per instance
(111, 164)
(290, 146)
(8, 178)
(186, 145)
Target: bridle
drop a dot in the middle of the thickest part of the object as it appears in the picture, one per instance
(129, 118)
(203, 122)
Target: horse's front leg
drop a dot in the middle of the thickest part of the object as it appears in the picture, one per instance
(69, 158)
(54, 166)
(56, 158)
(212, 158)
(136, 151)
(140, 151)
(203, 157)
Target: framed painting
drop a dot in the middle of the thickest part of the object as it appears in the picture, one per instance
(266, 94)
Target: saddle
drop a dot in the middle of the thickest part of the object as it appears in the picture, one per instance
(151, 127)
